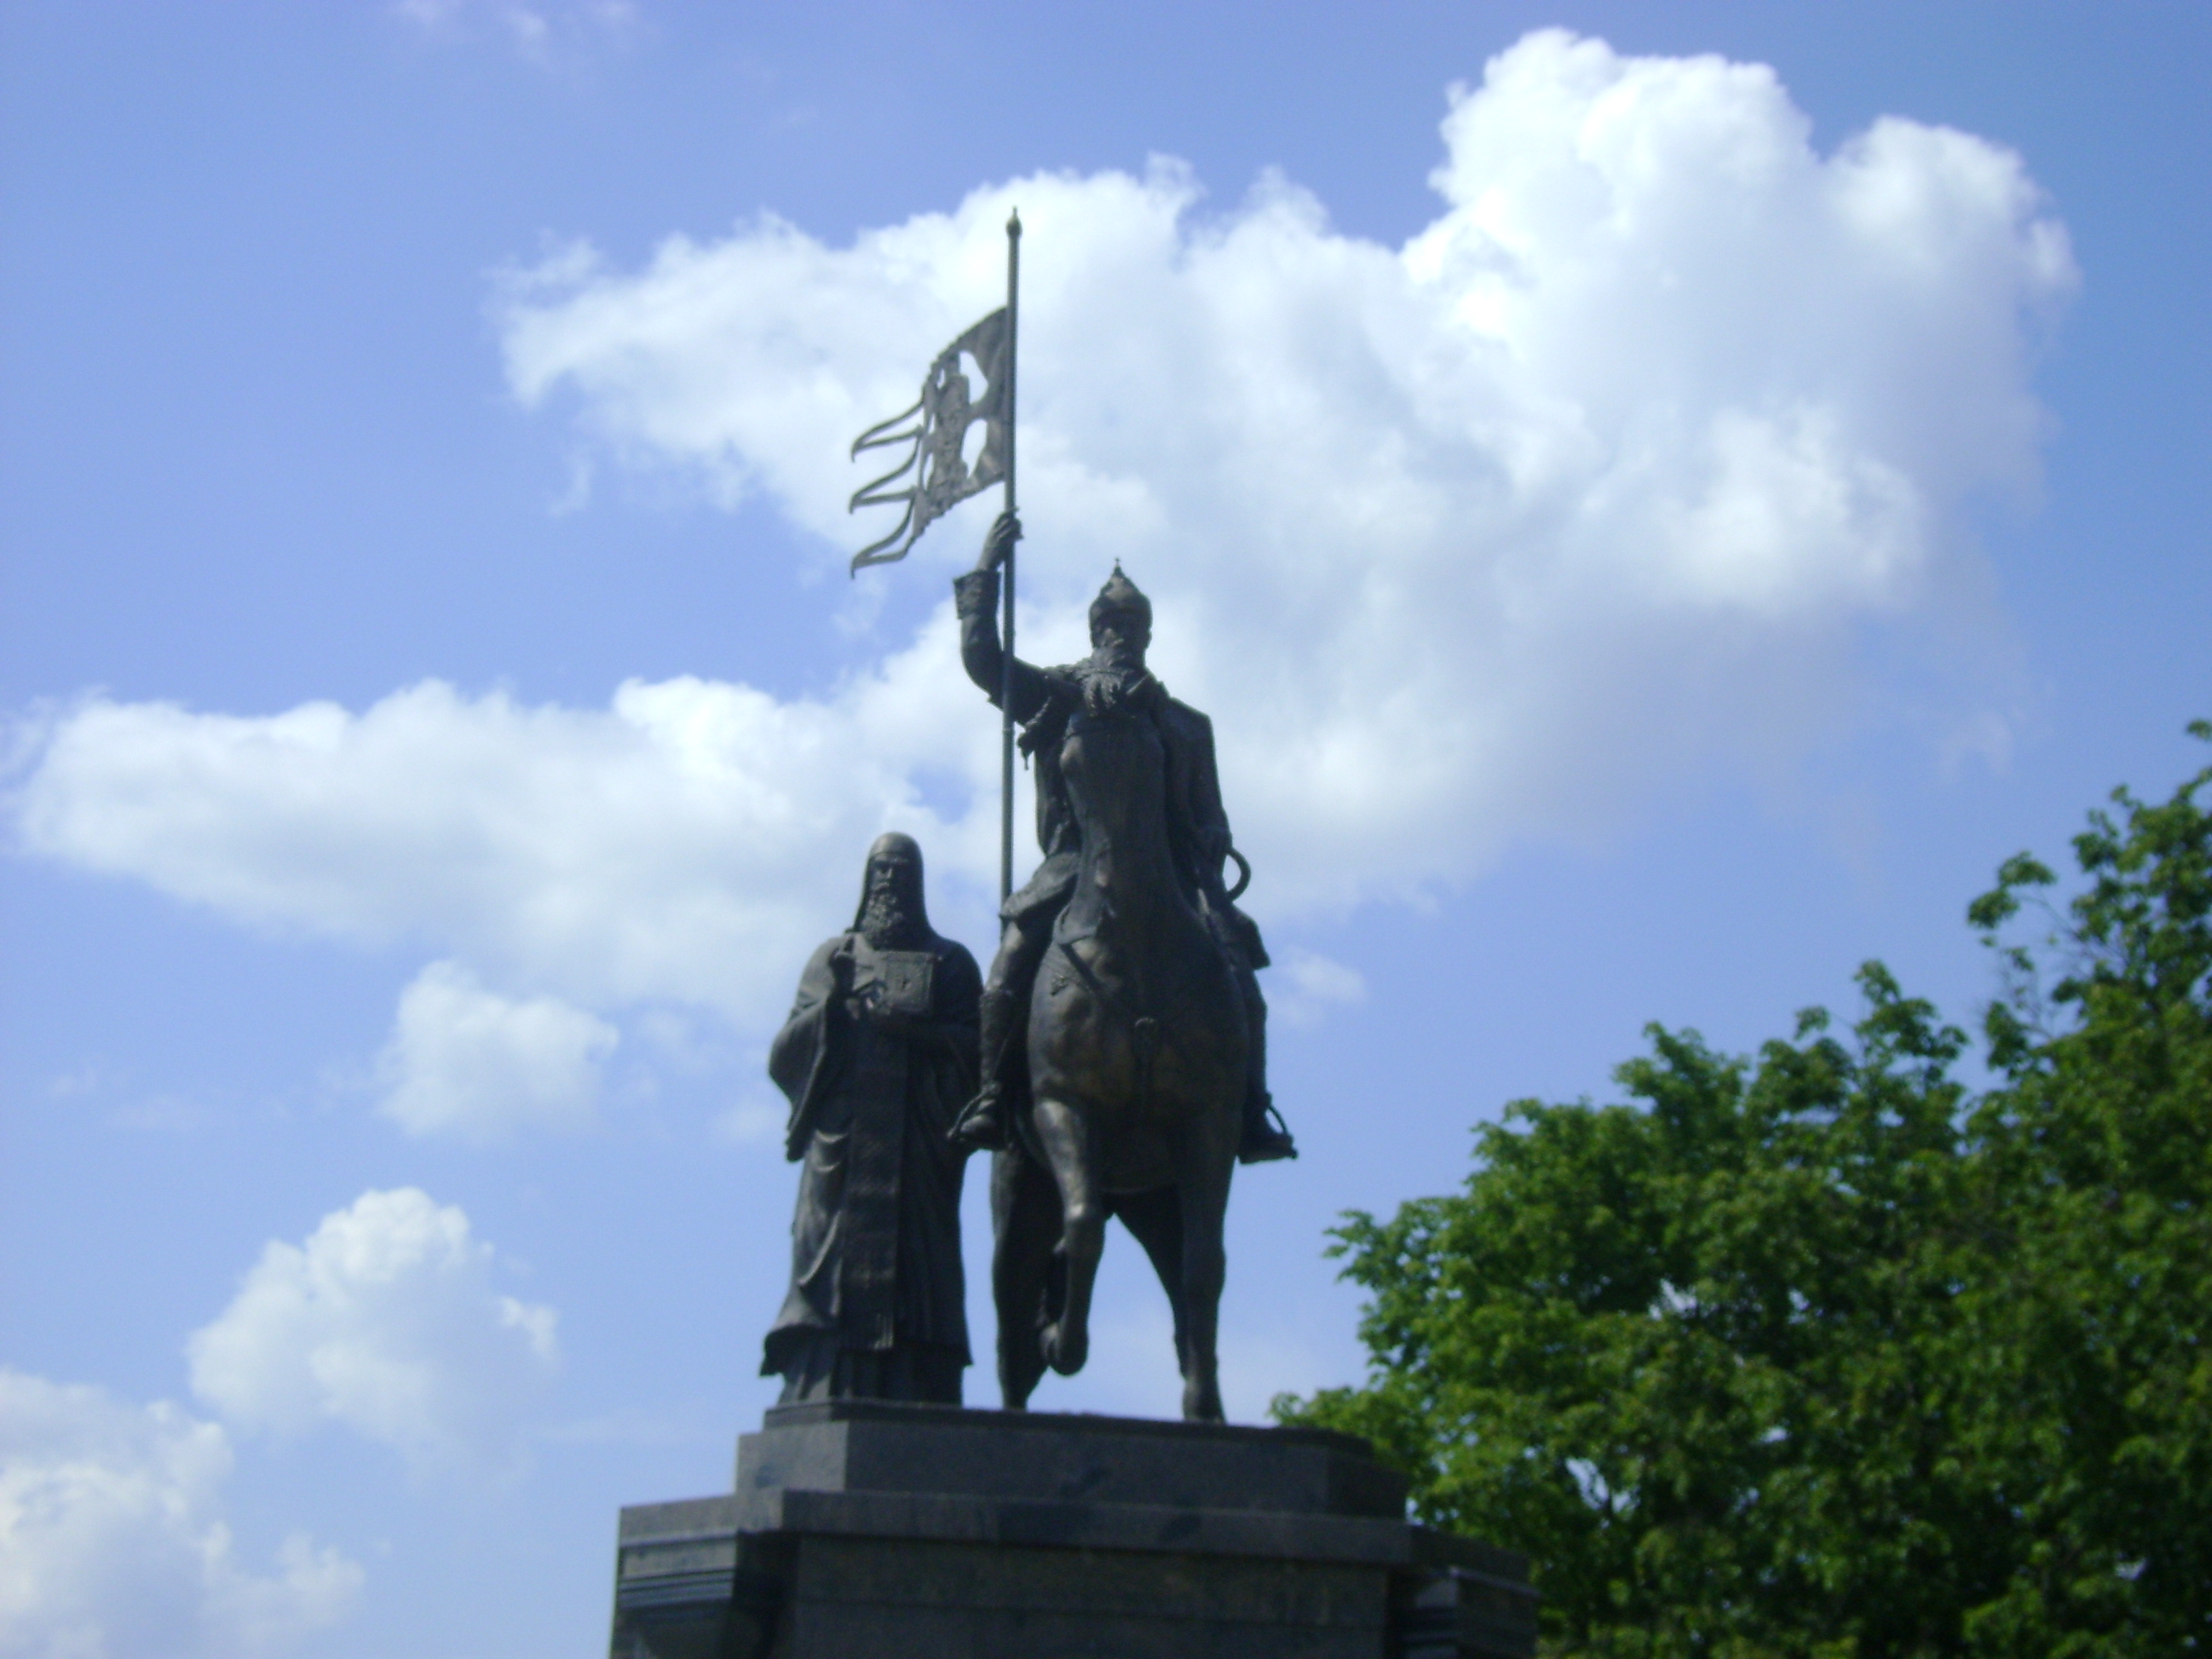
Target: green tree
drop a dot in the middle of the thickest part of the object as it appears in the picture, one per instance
(1813, 1354)
(2086, 1329)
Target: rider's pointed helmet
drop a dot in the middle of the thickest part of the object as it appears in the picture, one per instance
(1120, 596)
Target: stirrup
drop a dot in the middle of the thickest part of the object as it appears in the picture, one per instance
(1263, 1142)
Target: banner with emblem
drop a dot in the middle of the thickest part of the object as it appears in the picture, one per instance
(936, 476)
(935, 431)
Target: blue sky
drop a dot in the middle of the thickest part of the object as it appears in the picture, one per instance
(1653, 530)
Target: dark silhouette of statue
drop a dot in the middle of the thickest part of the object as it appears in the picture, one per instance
(1045, 699)
(1122, 1031)
(876, 1056)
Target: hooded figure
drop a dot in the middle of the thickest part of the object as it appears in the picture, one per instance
(877, 1057)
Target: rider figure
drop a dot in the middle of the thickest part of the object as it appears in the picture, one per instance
(1043, 700)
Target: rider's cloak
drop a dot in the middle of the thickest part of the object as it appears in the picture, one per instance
(877, 1068)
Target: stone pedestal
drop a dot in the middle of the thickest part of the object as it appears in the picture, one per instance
(864, 1530)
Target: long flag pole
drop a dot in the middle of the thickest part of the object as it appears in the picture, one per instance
(1006, 666)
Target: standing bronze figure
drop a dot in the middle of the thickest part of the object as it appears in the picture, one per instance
(876, 1056)
(1127, 975)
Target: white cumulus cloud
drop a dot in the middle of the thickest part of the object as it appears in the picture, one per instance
(112, 1540)
(386, 1321)
(1611, 473)
(682, 844)
(466, 1062)
(1602, 475)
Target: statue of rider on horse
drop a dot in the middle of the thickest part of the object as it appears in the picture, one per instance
(1044, 699)
(1122, 1033)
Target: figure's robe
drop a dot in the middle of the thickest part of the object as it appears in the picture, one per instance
(877, 1305)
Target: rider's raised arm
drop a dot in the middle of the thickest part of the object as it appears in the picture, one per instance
(975, 597)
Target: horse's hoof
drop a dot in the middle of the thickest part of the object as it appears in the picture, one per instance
(1065, 1351)
(1201, 1403)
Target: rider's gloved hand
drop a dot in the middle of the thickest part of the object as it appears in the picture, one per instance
(998, 545)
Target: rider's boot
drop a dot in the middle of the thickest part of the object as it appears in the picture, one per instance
(1263, 1142)
(982, 1126)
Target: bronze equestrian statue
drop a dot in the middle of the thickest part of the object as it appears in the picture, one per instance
(1129, 976)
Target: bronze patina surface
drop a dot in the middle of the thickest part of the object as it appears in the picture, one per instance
(877, 1054)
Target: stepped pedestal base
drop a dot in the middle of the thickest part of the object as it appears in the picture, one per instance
(864, 1530)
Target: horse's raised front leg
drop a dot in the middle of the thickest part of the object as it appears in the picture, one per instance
(1204, 1190)
(1065, 1137)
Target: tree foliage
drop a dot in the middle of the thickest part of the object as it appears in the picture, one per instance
(1815, 1352)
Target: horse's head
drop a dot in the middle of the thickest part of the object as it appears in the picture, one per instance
(1114, 763)
(1111, 754)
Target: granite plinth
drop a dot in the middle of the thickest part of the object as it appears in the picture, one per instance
(864, 1530)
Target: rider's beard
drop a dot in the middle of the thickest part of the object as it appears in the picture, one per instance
(1114, 675)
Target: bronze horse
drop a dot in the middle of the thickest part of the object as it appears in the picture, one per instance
(1137, 1072)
